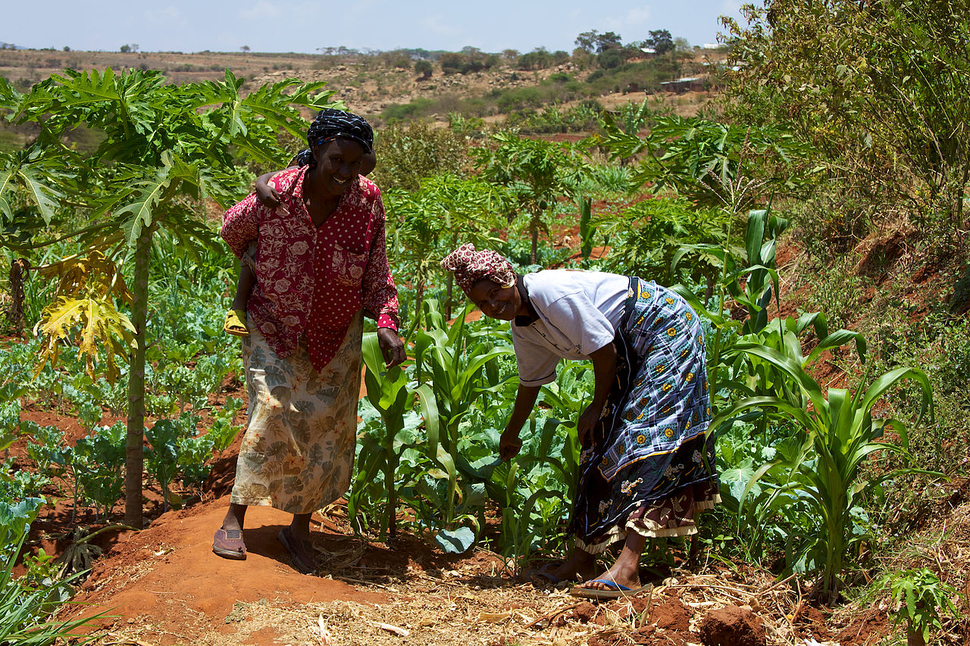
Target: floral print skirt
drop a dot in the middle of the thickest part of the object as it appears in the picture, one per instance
(298, 451)
(648, 466)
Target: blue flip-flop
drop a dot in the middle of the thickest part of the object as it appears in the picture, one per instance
(544, 573)
(613, 590)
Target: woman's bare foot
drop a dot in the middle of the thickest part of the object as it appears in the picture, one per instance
(619, 574)
(625, 570)
(579, 565)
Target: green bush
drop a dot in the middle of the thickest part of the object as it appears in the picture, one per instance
(405, 111)
(406, 153)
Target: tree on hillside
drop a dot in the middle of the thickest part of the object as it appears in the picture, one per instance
(586, 41)
(166, 150)
(424, 68)
(537, 59)
(451, 63)
(608, 41)
(594, 42)
(660, 41)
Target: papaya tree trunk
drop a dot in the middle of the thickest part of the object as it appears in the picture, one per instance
(914, 637)
(15, 316)
(134, 453)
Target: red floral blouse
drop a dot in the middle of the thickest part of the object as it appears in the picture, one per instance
(312, 280)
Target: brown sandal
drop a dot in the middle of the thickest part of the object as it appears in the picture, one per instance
(290, 542)
(228, 543)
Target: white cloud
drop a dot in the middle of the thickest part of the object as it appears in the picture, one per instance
(634, 17)
(261, 11)
(638, 15)
(436, 24)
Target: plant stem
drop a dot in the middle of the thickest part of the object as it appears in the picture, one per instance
(134, 452)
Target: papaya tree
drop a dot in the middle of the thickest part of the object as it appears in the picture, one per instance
(535, 172)
(427, 224)
(167, 150)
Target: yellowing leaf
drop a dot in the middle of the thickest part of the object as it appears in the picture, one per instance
(87, 323)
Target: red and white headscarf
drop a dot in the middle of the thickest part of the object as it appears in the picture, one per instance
(470, 266)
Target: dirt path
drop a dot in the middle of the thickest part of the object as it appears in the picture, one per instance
(164, 586)
(166, 583)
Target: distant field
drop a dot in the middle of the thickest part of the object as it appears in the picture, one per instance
(388, 87)
(23, 67)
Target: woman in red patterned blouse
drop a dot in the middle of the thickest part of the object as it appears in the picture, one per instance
(320, 263)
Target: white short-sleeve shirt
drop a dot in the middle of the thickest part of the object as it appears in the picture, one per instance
(579, 313)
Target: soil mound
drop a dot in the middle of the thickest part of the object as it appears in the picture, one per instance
(732, 626)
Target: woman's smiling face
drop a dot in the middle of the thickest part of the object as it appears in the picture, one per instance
(496, 301)
(338, 164)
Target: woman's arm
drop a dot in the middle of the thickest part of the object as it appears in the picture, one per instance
(240, 225)
(265, 192)
(604, 373)
(525, 401)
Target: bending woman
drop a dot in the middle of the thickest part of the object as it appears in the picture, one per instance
(647, 465)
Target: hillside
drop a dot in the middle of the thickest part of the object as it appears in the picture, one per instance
(368, 85)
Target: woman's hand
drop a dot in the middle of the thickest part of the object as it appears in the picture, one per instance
(587, 421)
(265, 193)
(604, 375)
(509, 445)
(525, 400)
(391, 347)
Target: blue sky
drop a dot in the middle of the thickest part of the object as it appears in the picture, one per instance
(305, 26)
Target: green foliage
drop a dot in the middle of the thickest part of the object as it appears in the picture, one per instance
(551, 119)
(166, 148)
(921, 599)
(882, 89)
(180, 452)
(426, 224)
(823, 469)
(430, 439)
(408, 153)
(713, 164)
(27, 603)
(424, 68)
(535, 172)
(462, 367)
(649, 236)
(415, 109)
(101, 479)
(389, 394)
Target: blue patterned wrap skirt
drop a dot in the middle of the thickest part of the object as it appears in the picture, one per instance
(648, 466)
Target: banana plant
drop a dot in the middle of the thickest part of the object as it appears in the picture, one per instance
(824, 472)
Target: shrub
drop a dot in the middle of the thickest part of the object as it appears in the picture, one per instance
(424, 68)
(406, 153)
(27, 603)
(404, 111)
